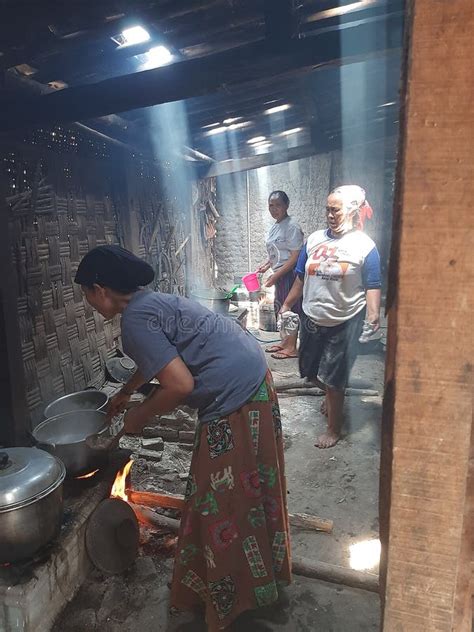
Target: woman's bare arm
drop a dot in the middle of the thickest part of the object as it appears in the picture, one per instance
(294, 294)
(284, 269)
(176, 384)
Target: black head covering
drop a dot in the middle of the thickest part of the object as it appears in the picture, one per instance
(114, 267)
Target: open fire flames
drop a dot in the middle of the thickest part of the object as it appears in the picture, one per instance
(118, 488)
(88, 475)
(142, 502)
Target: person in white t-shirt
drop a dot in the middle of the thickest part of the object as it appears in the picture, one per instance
(339, 279)
(284, 242)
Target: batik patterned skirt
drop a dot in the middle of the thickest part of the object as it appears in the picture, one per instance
(233, 545)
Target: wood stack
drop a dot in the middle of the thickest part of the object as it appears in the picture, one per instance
(143, 504)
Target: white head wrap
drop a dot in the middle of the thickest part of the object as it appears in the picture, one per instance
(353, 201)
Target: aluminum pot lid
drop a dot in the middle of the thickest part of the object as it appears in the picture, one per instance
(26, 475)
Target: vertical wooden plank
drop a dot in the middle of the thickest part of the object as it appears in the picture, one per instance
(9, 289)
(428, 404)
(463, 613)
(129, 216)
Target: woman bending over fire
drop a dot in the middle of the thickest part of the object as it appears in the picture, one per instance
(233, 546)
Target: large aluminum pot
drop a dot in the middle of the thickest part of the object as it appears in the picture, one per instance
(82, 400)
(65, 436)
(215, 300)
(31, 501)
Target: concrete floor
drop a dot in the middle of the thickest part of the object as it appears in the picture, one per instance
(340, 484)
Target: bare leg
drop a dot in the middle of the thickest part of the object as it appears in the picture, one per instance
(291, 341)
(335, 404)
(324, 407)
(288, 348)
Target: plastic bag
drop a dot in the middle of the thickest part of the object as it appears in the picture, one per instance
(288, 324)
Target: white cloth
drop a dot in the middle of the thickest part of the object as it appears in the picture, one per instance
(283, 238)
(333, 285)
(353, 201)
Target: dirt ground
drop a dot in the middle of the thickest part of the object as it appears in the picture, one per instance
(340, 484)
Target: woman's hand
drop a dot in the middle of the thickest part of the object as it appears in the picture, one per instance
(284, 308)
(262, 269)
(272, 279)
(133, 422)
(373, 308)
(176, 384)
(374, 322)
(117, 404)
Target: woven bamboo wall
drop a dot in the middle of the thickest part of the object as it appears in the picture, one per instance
(60, 206)
(205, 226)
(63, 194)
(163, 225)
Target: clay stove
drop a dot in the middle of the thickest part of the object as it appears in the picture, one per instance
(33, 593)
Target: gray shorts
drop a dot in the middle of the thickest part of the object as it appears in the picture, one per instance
(329, 353)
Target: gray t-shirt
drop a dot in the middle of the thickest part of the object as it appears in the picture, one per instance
(226, 362)
(283, 238)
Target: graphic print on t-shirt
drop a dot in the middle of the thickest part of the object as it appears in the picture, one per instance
(325, 263)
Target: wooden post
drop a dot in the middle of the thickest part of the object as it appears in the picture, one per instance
(426, 513)
(129, 216)
(18, 434)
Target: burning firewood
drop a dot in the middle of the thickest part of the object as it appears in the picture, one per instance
(152, 519)
(155, 499)
(141, 502)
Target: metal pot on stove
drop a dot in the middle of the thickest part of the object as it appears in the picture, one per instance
(90, 399)
(216, 300)
(31, 501)
(67, 437)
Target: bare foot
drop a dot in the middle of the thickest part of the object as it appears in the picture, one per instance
(327, 440)
(324, 408)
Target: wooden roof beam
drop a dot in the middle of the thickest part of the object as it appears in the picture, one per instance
(198, 155)
(190, 78)
(324, 145)
(279, 21)
(225, 167)
(342, 9)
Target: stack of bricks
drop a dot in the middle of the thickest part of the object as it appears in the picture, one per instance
(177, 427)
(152, 449)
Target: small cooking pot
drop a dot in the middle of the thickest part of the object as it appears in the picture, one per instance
(31, 501)
(65, 436)
(120, 369)
(82, 400)
(215, 300)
